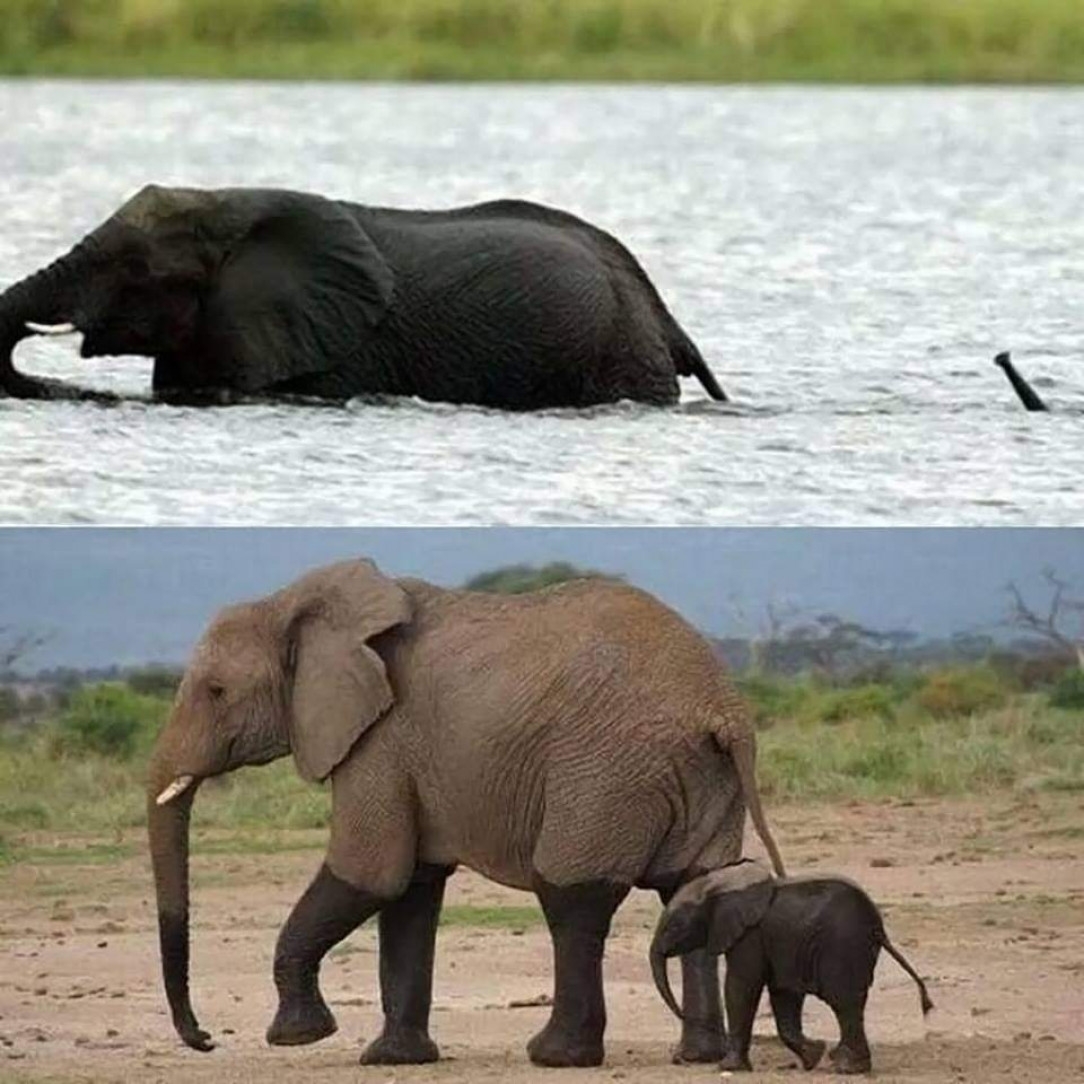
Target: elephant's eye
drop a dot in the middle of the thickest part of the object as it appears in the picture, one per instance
(217, 691)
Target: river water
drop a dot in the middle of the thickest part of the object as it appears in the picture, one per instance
(849, 260)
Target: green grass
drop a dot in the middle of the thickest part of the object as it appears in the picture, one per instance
(707, 40)
(954, 731)
(1024, 745)
(514, 918)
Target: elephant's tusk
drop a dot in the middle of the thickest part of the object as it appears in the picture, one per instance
(178, 786)
(51, 329)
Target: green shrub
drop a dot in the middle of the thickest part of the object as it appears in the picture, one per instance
(772, 697)
(109, 719)
(160, 681)
(1068, 692)
(961, 690)
(860, 702)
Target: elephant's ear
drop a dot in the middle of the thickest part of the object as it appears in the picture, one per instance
(340, 684)
(737, 900)
(296, 291)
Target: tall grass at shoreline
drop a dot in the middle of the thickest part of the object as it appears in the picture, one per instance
(709, 40)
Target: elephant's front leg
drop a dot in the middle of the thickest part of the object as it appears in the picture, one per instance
(329, 910)
(578, 917)
(408, 933)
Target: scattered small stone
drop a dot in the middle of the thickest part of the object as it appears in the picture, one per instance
(118, 993)
(103, 944)
(111, 1033)
(979, 1011)
(228, 1031)
(1021, 1037)
(882, 863)
(1047, 1039)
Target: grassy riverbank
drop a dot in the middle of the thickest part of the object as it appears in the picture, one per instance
(658, 40)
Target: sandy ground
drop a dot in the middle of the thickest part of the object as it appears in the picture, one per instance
(986, 899)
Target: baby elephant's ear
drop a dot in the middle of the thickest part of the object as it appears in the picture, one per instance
(734, 911)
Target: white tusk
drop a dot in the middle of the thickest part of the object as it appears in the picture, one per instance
(51, 329)
(178, 786)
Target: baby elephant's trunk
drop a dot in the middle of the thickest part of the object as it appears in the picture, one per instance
(662, 977)
(927, 1004)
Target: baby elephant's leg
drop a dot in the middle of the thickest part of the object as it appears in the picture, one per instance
(852, 1054)
(744, 985)
(787, 1007)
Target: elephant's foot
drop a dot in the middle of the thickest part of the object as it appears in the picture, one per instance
(811, 1053)
(699, 1044)
(301, 1021)
(401, 1046)
(734, 1062)
(558, 1048)
(846, 1060)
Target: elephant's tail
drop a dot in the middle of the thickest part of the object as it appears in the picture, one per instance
(688, 361)
(743, 753)
(898, 956)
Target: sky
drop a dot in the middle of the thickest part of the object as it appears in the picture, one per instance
(132, 596)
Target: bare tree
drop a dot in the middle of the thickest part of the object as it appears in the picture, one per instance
(15, 645)
(1060, 624)
(762, 633)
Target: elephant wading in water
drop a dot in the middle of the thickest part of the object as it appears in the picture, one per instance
(245, 292)
(574, 742)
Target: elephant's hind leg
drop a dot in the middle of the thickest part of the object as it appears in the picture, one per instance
(329, 910)
(787, 1008)
(852, 1055)
(408, 933)
(578, 917)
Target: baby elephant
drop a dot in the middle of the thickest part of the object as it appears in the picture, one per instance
(798, 936)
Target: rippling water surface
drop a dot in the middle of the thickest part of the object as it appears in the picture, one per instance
(848, 260)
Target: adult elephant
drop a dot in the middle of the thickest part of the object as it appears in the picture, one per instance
(242, 292)
(573, 742)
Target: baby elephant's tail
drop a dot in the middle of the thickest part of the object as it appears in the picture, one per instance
(927, 1004)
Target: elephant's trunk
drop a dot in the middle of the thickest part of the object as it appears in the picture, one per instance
(661, 975)
(47, 298)
(167, 825)
(1028, 396)
(743, 752)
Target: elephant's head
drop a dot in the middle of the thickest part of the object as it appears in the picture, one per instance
(239, 289)
(713, 912)
(291, 673)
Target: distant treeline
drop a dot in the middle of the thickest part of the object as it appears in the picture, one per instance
(707, 40)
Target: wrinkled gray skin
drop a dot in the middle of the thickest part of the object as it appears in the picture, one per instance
(247, 292)
(797, 936)
(573, 742)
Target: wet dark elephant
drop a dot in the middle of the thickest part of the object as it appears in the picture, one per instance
(243, 292)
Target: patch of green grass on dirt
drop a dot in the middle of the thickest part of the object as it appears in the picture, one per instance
(516, 918)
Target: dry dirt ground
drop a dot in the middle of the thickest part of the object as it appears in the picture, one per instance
(987, 899)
